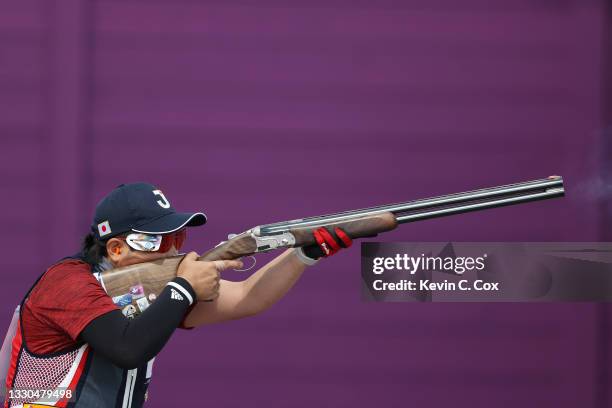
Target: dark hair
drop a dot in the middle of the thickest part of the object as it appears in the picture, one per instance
(92, 249)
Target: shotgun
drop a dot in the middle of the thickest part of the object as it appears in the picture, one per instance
(151, 277)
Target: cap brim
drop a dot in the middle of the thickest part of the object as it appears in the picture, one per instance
(172, 222)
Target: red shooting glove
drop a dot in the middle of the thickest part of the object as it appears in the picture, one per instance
(328, 243)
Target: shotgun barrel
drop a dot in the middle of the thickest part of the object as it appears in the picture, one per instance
(450, 204)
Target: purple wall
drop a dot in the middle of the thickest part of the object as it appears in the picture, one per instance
(262, 111)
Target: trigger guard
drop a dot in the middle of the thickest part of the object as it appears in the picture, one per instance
(250, 267)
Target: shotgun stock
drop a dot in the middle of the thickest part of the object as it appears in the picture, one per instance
(367, 222)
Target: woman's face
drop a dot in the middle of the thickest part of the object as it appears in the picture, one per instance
(120, 254)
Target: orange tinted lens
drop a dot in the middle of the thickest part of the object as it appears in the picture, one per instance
(176, 238)
(180, 238)
(166, 244)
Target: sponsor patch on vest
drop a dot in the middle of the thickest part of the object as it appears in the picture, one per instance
(123, 300)
(129, 311)
(142, 303)
(137, 291)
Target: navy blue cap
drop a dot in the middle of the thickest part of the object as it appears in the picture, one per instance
(139, 207)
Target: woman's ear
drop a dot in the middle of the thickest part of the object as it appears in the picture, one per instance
(116, 249)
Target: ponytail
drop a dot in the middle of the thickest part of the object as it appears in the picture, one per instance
(92, 249)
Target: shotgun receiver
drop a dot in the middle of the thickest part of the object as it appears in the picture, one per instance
(367, 222)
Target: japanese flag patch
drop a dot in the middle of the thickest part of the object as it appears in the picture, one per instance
(104, 228)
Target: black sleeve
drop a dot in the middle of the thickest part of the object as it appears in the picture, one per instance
(130, 343)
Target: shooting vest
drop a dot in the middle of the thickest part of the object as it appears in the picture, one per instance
(93, 379)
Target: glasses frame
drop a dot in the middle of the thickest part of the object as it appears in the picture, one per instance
(162, 243)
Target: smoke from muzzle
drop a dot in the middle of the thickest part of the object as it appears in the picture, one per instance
(597, 187)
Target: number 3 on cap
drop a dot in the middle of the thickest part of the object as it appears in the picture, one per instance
(163, 203)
